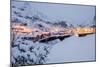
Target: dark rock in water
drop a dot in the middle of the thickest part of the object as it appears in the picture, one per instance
(53, 38)
(82, 35)
(48, 39)
(62, 38)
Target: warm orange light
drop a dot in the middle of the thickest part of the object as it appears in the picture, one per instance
(75, 31)
(84, 30)
(23, 29)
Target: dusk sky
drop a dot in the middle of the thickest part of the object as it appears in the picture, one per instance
(75, 14)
